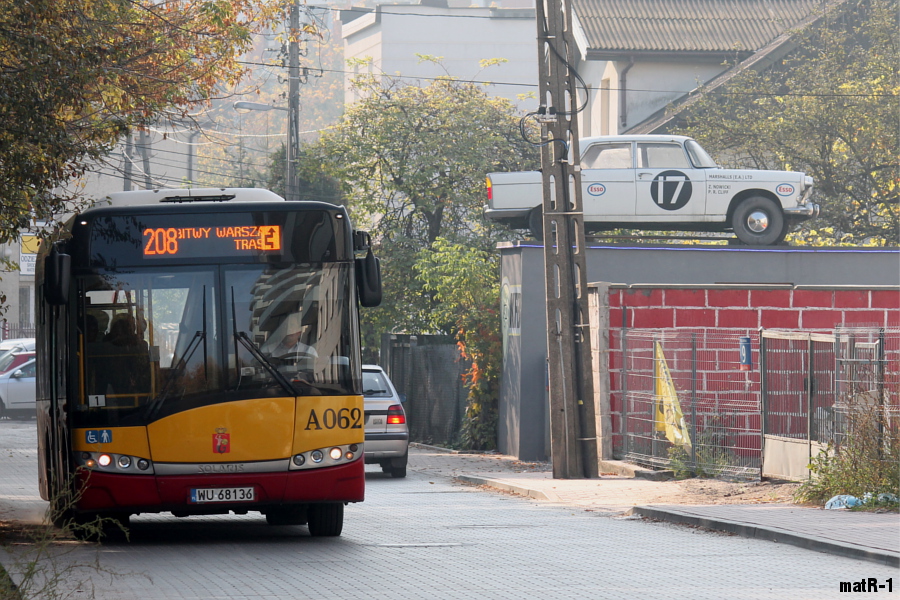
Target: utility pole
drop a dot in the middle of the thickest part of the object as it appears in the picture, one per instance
(573, 437)
(129, 152)
(293, 142)
(144, 147)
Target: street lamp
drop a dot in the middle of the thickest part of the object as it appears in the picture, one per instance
(292, 149)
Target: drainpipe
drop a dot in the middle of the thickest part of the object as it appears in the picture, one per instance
(623, 81)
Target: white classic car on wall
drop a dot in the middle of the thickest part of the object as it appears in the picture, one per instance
(662, 182)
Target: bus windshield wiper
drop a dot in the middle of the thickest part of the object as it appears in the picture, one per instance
(247, 343)
(181, 364)
(244, 339)
(157, 403)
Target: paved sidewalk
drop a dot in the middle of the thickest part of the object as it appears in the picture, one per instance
(862, 535)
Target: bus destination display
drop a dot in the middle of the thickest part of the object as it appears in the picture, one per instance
(177, 242)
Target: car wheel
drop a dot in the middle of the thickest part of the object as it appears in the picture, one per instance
(398, 466)
(326, 520)
(3, 412)
(292, 515)
(758, 221)
(385, 466)
(536, 222)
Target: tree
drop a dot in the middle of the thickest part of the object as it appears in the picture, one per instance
(75, 75)
(829, 109)
(412, 161)
(463, 280)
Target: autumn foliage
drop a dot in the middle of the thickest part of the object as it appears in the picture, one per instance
(75, 75)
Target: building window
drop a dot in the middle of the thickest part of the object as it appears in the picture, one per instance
(26, 305)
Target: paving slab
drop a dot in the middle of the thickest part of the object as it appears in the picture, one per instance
(863, 535)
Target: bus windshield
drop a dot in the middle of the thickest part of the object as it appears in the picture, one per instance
(156, 341)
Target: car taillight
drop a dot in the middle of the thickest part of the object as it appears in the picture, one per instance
(490, 189)
(395, 415)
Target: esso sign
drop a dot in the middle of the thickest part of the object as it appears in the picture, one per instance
(596, 189)
(784, 189)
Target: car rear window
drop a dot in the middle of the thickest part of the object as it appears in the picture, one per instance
(607, 156)
(375, 385)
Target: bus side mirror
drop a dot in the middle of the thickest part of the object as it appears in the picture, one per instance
(57, 277)
(368, 280)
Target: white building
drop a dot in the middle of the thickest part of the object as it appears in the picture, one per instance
(638, 57)
(394, 36)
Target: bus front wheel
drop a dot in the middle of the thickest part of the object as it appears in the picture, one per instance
(325, 520)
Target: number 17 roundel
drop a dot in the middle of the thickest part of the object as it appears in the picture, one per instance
(671, 190)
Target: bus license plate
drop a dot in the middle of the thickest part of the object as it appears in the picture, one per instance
(235, 494)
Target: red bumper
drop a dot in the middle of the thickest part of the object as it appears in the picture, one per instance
(149, 493)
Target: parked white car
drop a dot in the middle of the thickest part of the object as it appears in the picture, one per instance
(662, 182)
(387, 434)
(21, 344)
(17, 391)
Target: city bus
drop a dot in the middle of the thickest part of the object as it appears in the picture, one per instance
(199, 353)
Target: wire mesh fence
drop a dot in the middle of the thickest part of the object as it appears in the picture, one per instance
(428, 370)
(701, 402)
(798, 385)
(690, 403)
(867, 377)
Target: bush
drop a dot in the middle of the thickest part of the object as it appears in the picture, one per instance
(867, 460)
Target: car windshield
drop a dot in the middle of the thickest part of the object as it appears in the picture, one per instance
(699, 157)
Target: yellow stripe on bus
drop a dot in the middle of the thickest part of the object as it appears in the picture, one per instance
(240, 431)
(328, 421)
(124, 440)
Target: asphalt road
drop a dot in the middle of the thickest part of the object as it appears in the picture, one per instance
(427, 537)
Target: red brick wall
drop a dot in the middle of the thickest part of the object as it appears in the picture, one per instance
(802, 309)
(734, 312)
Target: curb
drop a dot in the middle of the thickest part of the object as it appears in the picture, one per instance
(444, 450)
(627, 469)
(760, 532)
(524, 491)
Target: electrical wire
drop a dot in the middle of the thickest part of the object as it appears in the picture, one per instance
(364, 11)
(756, 94)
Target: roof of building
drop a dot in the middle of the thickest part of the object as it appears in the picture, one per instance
(617, 27)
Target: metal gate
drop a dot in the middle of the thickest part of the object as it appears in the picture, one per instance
(798, 400)
(428, 371)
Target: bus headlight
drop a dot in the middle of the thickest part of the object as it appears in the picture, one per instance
(326, 457)
(112, 462)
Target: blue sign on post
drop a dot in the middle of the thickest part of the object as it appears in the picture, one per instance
(746, 355)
